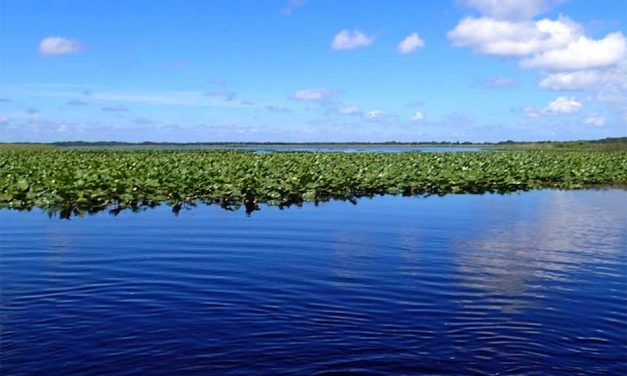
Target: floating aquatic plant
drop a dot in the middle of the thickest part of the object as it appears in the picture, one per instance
(88, 181)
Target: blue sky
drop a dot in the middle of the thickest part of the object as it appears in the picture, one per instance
(313, 70)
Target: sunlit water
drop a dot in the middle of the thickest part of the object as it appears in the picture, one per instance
(527, 284)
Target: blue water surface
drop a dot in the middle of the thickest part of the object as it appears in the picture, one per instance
(369, 149)
(530, 283)
(265, 149)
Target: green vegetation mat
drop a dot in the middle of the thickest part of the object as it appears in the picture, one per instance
(73, 181)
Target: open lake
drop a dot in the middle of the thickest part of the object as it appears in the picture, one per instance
(263, 149)
(372, 149)
(531, 283)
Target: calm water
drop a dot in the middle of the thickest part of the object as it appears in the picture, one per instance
(319, 149)
(371, 149)
(532, 283)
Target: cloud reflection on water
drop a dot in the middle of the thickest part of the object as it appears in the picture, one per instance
(561, 233)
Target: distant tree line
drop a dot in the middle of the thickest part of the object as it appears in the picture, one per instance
(609, 140)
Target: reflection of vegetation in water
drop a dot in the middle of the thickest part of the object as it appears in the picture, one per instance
(560, 233)
(87, 181)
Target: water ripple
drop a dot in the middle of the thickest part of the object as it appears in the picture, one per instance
(525, 284)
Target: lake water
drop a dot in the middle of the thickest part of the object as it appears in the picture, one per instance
(533, 283)
(370, 149)
(291, 148)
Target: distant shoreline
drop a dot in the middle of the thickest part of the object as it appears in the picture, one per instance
(609, 140)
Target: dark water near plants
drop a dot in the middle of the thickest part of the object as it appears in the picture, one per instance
(528, 284)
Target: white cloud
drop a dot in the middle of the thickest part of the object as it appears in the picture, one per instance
(410, 44)
(418, 117)
(583, 53)
(595, 119)
(507, 38)
(347, 39)
(59, 46)
(577, 80)
(565, 57)
(511, 9)
(551, 45)
(560, 105)
(374, 115)
(311, 95)
(557, 45)
(349, 110)
(563, 105)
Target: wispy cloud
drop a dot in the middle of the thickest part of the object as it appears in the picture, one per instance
(50, 46)
(144, 121)
(225, 95)
(595, 119)
(292, 5)
(312, 94)
(76, 102)
(417, 103)
(374, 114)
(157, 98)
(154, 98)
(177, 64)
(350, 39)
(349, 110)
(511, 9)
(115, 109)
(277, 109)
(497, 82)
(220, 91)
